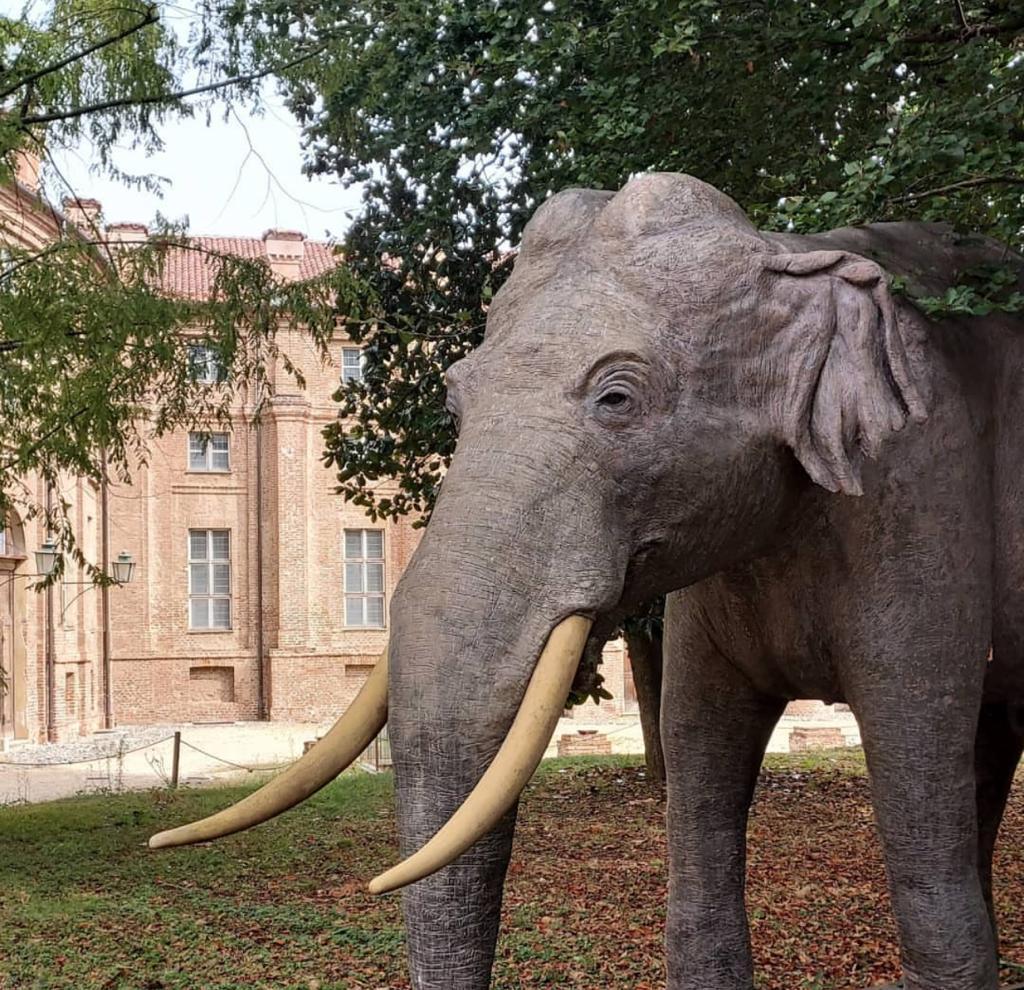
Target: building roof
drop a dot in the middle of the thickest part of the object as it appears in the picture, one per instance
(190, 272)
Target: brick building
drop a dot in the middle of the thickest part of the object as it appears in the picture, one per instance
(51, 644)
(244, 550)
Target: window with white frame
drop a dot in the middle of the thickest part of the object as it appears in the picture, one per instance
(209, 579)
(209, 452)
(351, 364)
(364, 578)
(206, 365)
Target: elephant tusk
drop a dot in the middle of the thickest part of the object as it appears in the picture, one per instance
(348, 737)
(512, 766)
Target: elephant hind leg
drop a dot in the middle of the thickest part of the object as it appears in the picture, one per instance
(997, 751)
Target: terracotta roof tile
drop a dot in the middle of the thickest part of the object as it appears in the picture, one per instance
(190, 273)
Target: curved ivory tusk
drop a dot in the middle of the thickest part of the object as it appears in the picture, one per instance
(512, 766)
(348, 737)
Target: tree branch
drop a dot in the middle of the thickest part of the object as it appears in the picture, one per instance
(21, 457)
(12, 345)
(139, 101)
(983, 180)
(31, 259)
(151, 18)
(991, 30)
(961, 15)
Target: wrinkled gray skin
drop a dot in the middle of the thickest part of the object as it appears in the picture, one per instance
(669, 401)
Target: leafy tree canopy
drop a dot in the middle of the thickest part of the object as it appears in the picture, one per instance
(461, 117)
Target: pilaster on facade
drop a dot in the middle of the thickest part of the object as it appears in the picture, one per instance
(294, 573)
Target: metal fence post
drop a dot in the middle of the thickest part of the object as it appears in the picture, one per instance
(176, 760)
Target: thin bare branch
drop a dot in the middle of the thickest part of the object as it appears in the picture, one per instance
(20, 458)
(157, 98)
(993, 29)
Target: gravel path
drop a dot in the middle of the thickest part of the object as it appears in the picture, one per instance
(97, 747)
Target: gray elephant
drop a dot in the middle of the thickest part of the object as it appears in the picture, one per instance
(669, 401)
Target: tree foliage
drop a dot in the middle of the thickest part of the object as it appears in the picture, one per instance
(460, 118)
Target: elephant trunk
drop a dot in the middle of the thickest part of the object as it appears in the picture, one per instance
(470, 621)
(513, 765)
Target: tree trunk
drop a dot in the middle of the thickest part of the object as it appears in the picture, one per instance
(646, 661)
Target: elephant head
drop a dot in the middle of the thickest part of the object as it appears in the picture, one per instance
(657, 385)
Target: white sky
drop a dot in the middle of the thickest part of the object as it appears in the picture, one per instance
(220, 183)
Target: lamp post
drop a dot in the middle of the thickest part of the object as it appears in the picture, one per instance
(46, 560)
(121, 570)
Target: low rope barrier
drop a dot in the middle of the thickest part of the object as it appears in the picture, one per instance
(121, 753)
(115, 755)
(231, 763)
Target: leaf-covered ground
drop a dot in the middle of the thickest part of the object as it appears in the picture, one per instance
(84, 905)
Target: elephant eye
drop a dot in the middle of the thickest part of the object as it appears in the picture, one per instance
(616, 400)
(616, 388)
(613, 399)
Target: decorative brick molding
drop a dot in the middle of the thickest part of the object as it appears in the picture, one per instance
(584, 743)
(822, 737)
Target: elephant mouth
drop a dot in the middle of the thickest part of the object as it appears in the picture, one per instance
(495, 793)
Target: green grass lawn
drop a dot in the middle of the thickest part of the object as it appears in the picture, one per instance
(85, 905)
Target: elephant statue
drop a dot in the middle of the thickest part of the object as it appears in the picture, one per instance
(828, 485)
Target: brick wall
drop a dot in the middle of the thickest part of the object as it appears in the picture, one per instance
(28, 222)
(76, 618)
(804, 739)
(614, 667)
(584, 744)
(162, 670)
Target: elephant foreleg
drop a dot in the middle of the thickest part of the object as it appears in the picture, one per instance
(715, 728)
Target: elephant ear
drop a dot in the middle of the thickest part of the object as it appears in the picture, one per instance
(848, 384)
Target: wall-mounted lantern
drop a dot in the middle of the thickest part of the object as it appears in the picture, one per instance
(123, 568)
(46, 558)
